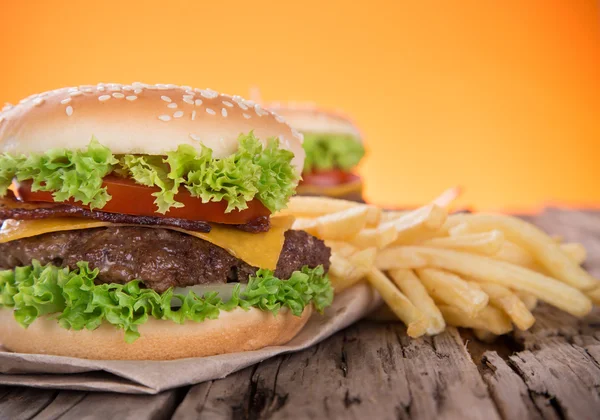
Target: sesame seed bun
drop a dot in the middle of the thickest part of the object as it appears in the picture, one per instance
(308, 118)
(233, 331)
(139, 119)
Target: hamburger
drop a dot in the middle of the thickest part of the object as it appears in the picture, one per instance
(333, 147)
(139, 222)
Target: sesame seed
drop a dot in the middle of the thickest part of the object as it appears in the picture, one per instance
(164, 118)
(100, 88)
(39, 101)
(137, 91)
(210, 111)
(76, 93)
(72, 89)
(208, 93)
(223, 112)
(227, 103)
(188, 100)
(259, 110)
(279, 119)
(296, 133)
(127, 88)
(115, 88)
(118, 95)
(178, 114)
(193, 115)
(246, 116)
(243, 106)
(137, 85)
(186, 87)
(172, 105)
(87, 90)
(166, 98)
(7, 107)
(194, 137)
(131, 98)
(103, 98)
(69, 110)
(198, 102)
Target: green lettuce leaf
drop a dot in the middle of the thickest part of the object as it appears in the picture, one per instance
(254, 171)
(67, 173)
(331, 151)
(77, 303)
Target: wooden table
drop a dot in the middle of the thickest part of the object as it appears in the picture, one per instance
(373, 370)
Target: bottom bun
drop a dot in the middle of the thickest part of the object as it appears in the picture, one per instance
(233, 331)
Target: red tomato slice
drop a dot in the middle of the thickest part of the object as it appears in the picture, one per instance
(329, 178)
(131, 198)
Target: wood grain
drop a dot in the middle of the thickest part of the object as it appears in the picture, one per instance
(373, 370)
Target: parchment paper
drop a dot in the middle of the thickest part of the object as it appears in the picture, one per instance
(151, 377)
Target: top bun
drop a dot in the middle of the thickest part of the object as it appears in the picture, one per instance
(140, 119)
(308, 118)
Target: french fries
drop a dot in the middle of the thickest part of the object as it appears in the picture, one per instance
(416, 322)
(447, 197)
(544, 249)
(345, 272)
(337, 226)
(485, 243)
(487, 269)
(409, 284)
(480, 271)
(576, 252)
(489, 319)
(529, 300)
(502, 298)
(450, 289)
(311, 207)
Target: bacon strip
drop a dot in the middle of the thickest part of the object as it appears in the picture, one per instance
(13, 209)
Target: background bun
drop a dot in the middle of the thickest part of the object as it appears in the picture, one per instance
(139, 118)
(308, 118)
(233, 331)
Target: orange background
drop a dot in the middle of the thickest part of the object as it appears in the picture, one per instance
(500, 97)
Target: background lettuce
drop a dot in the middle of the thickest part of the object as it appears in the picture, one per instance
(254, 171)
(78, 303)
(331, 151)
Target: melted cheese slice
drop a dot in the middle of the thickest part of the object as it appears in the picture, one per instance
(257, 249)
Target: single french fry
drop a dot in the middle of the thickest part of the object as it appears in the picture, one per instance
(529, 300)
(576, 252)
(489, 319)
(390, 215)
(447, 197)
(485, 243)
(488, 269)
(311, 207)
(421, 224)
(343, 225)
(502, 298)
(514, 254)
(379, 237)
(544, 249)
(450, 289)
(595, 295)
(414, 319)
(409, 284)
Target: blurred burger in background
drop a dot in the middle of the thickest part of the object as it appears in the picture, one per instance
(333, 146)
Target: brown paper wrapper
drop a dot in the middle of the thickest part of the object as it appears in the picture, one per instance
(151, 377)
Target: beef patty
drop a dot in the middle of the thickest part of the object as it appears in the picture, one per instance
(161, 258)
